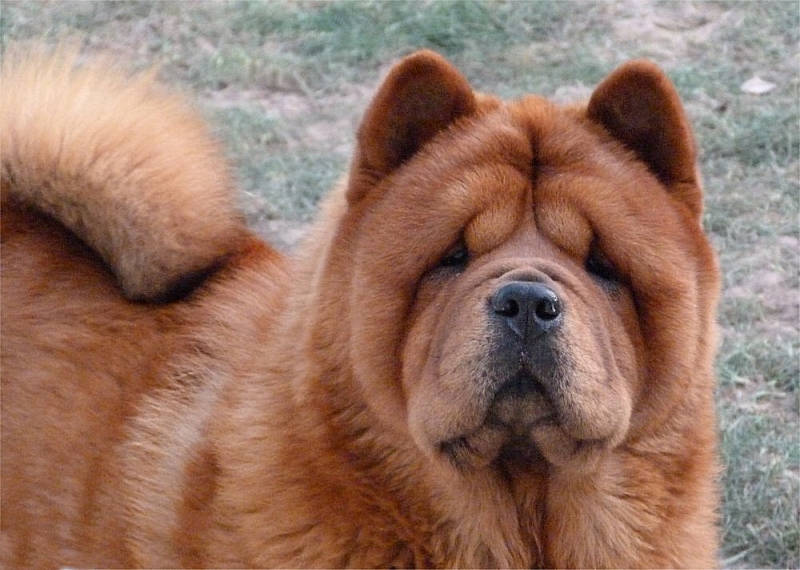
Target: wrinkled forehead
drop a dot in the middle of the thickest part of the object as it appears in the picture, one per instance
(516, 147)
(522, 160)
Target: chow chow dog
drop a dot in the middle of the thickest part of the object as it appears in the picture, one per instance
(494, 349)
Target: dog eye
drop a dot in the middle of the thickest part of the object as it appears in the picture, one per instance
(599, 266)
(457, 256)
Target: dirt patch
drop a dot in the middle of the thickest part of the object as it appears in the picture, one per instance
(774, 291)
(668, 29)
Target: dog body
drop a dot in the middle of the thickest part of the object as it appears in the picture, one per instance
(494, 349)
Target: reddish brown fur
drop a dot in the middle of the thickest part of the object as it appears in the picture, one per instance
(71, 154)
(303, 412)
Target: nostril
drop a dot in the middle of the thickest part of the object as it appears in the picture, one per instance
(506, 302)
(548, 308)
(508, 308)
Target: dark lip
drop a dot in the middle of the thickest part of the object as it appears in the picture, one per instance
(521, 387)
(465, 453)
(521, 384)
(471, 448)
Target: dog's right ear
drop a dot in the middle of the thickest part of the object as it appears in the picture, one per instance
(422, 96)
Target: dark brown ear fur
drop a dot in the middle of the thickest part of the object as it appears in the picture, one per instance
(638, 105)
(422, 95)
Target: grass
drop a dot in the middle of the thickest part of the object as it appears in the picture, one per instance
(284, 83)
(761, 454)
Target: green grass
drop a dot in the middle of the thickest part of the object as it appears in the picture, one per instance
(257, 143)
(773, 366)
(762, 473)
(284, 82)
(339, 40)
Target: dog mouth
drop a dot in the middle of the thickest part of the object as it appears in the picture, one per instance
(521, 426)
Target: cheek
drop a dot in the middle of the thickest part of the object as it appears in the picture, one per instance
(444, 359)
(416, 351)
(629, 341)
(433, 316)
(446, 340)
(616, 328)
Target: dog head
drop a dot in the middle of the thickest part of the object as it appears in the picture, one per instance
(520, 281)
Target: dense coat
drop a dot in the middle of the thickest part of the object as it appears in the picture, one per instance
(494, 349)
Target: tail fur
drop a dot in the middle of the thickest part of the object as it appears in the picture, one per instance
(130, 169)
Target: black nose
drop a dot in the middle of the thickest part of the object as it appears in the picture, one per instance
(529, 309)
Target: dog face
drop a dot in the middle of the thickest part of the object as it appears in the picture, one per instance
(529, 332)
(517, 274)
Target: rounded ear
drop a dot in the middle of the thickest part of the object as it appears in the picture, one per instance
(638, 105)
(422, 96)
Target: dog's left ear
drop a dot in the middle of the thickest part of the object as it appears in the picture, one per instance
(422, 96)
(639, 106)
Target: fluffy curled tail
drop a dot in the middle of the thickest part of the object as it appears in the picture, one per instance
(130, 169)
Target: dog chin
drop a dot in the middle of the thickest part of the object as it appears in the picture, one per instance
(546, 444)
(522, 428)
